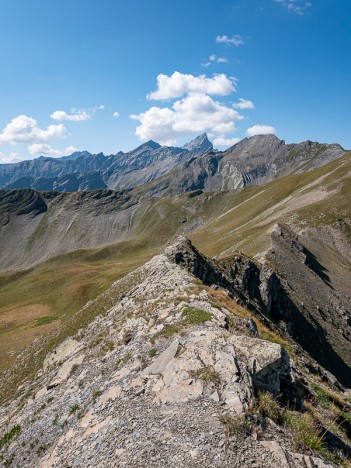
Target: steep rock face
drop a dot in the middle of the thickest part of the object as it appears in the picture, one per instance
(290, 296)
(317, 311)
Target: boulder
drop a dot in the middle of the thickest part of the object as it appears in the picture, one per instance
(269, 363)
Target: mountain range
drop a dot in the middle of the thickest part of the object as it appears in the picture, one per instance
(86, 171)
(171, 170)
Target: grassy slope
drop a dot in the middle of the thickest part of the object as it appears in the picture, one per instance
(46, 297)
(57, 289)
(245, 217)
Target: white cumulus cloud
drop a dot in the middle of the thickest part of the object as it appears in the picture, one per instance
(195, 113)
(42, 149)
(24, 129)
(116, 114)
(179, 84)
(225, 142)
(260, 129)
(77, 116)
(9, 158)
(244, 104)
(295, 6)
(235, 40)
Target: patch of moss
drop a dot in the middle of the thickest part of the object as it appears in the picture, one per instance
(152, 352)
(194, 316)
(6, 438)
(167, 331)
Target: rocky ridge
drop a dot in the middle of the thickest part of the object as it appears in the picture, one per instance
(252, 161)
(166, 376)
(85, 171)
(165, 170)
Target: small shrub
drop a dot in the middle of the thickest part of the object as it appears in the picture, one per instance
(41, 449)
(305, 431)
(235, 425)
(152, 352)
(41, 408)
(269, 407)
(50, 400)
(96, 394)
(6, 438)
(74, 408)
(195, 316)
(231, 323)
(110, 346)
(55, 420)
(9, 461)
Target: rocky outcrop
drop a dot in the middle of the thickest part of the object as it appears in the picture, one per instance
(145, 382)
(200, 143)
(290, 297)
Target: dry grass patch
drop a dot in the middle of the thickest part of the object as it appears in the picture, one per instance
(264, 332)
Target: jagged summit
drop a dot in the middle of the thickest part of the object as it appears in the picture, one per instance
(147, 145)
(201, 142)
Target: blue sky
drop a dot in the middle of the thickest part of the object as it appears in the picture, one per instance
(105, 75)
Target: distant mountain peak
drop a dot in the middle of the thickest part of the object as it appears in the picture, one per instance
(201, 142)
(148, 144)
